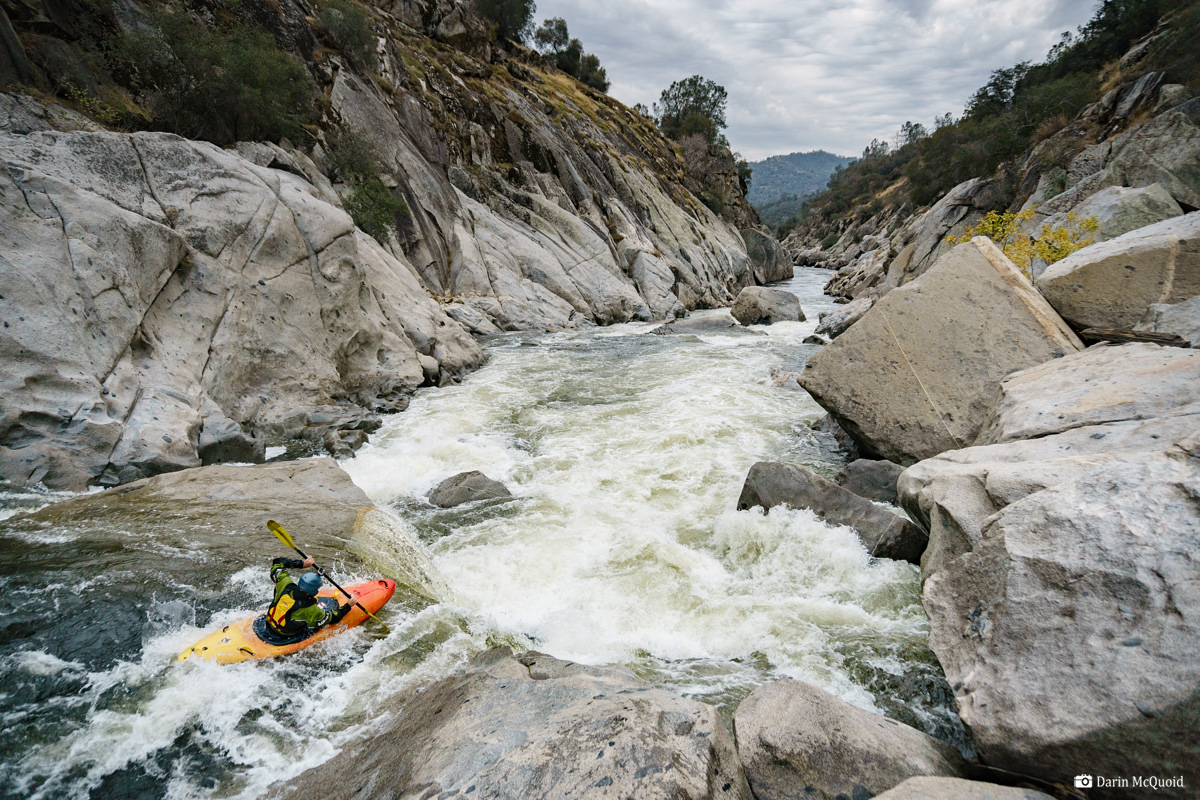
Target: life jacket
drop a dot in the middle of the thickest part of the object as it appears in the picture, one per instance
(287, 601)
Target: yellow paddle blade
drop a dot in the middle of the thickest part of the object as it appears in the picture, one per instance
(282, 534)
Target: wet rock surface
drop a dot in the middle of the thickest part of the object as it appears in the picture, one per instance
(467, 487)
(874, 480)
(163, 292)
(796, 740)
(884, 534)
(532, 726)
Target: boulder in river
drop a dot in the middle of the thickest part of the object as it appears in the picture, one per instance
(885, 535)
(708, 324)
(1069, 633)
(467, 487)
(798, 741)
(759, 305)
(532, 727)
(915, 376)
(874, 480)
(930, 788)
(1113, 284)
(768, 260)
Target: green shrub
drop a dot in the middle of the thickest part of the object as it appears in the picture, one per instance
(830, 240)
(374, 207)
(350, 155)
(349, 26)
(218, 84)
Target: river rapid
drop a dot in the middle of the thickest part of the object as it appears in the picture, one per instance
(626, 453)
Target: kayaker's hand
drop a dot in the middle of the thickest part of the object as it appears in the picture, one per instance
(308, 562)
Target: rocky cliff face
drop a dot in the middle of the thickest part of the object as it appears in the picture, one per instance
(168, 303)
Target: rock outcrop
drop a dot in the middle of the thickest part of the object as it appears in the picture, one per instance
(162, 297)
(223, 510)
(958, 789)
(1052, 424)
(1069, 632)
(795, 740)
(168, 303)
(885, 535)
(531, 726)
(1100, 385)
(1115, 283)
(467, 487)
(1091, 167)
(758, 305)
(916, 375)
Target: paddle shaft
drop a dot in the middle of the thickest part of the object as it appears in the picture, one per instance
(277, 529)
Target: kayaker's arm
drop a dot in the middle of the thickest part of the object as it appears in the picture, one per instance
(281, 565)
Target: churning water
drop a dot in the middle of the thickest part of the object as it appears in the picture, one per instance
(626, 452)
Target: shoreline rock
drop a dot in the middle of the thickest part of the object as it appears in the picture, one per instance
(529, 727)
(795, 740)
(914, 376)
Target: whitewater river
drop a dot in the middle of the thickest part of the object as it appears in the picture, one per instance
(626, 453)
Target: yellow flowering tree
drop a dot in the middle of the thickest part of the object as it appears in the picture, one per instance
(1052, 243)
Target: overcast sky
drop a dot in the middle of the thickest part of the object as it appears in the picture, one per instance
(816, 74)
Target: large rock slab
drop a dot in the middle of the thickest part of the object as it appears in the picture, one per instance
(954, 494)
(1052, 424)
(1113, 284)
(797, 741)
(958, 789)
(885, 535)
(769, 261)
(1120, 209)
(1069, 633)
(758, 305)
(467, 487)
(160, 294)
(225, 509)
(530, 727)
(915, 376)
(1102, 384)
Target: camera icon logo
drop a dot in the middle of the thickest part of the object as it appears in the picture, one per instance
(1083, 781)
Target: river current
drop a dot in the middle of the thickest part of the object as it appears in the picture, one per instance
(625, 452)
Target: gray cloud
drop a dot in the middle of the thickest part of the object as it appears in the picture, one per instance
(810, 74)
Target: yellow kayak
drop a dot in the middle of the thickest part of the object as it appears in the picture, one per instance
(244, 640)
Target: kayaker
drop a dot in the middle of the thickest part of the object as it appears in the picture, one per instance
(295, 611)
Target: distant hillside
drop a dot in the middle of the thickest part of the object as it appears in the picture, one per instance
(798, 174)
